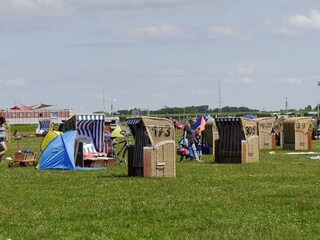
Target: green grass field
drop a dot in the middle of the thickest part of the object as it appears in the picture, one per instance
(277, 198)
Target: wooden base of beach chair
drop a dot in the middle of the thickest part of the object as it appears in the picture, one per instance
(40, 134)
(100, 162)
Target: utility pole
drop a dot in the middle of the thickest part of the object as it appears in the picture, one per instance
(104, 103)
(111, 107)
(219, 107)
(318, 84)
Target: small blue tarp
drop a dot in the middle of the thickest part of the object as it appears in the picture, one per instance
(249, 116)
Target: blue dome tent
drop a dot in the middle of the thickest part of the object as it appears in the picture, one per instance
(59, 154)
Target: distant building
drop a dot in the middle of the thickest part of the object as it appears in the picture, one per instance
(32, 114)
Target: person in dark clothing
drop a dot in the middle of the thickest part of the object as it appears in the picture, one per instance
(189, 135)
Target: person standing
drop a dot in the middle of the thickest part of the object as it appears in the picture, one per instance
(198, 142)
(3, 146)
(188, 133)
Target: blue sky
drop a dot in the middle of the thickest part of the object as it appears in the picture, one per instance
(153, 53)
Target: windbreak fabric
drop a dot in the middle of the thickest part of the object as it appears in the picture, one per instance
(59, 154)
(200, 124)
(48, 138)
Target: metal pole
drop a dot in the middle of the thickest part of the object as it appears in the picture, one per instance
(104, 103)
(219, 107)
(286, 105)
(318, 84)
(111, 107)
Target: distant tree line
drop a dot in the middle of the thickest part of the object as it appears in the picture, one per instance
(193, 110)
(189, 111)
(308, 108)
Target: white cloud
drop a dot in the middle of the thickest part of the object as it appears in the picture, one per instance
(242, 71)
(245, 70)
(140, 6)
(32, 8)
(242, 75)
(17, 82)
(174, 73)
(173, 76)
(294, 81)
(233, 32)
(282, 30)
(171, 31)
(248, 81)
(238, 81)
(161, 31)
(131, 3)
(58, 8)
(311, 21)
(291, 26)
(25, 15)
(223, 31)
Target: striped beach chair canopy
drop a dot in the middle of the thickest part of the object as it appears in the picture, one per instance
(91, 127)
(43, 125)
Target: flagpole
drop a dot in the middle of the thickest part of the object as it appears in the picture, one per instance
(219, 107)
(318, 84)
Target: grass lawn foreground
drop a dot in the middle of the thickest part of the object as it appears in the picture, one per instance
(277, 198)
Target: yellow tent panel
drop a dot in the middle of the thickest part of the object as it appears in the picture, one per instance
(116, 132)
(48, 138)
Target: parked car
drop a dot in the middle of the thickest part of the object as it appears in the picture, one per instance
(177, 125)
